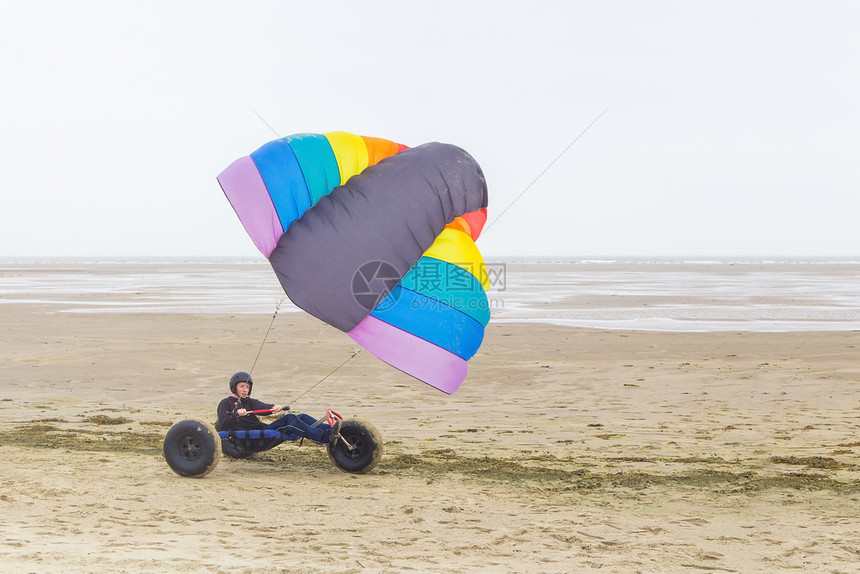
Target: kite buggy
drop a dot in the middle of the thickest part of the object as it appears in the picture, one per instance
(193, 448)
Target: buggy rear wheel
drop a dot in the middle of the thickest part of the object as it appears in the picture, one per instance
(192, 448)
(358, 449)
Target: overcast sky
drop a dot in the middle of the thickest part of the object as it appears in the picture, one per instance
(730, 128)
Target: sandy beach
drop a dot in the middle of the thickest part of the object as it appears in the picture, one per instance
(566, 450)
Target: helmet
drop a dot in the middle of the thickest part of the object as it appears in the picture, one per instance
(241, 377)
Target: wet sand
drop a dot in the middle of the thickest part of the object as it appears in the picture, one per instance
(565, 450)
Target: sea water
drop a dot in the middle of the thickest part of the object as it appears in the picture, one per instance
(689, 297)
(661, 296)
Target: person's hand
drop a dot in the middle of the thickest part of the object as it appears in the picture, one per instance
(277, 408)
(241, 412)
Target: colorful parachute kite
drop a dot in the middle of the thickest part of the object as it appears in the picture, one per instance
(376, 239)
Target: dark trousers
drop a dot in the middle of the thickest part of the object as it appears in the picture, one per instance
(302, 425)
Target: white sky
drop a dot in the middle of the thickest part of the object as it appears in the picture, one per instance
(733, 128)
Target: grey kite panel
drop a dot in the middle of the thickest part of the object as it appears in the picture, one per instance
(379, 221)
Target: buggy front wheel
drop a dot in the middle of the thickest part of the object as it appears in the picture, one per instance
(192, 448)
(358, 449)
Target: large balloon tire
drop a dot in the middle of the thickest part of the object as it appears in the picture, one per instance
(192, 448)
(366, 443)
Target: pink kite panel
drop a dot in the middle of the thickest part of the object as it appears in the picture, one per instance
(249, 197)
(414, 356)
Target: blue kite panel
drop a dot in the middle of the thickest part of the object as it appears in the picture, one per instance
(431, 320)
(283, 177)
(450, 284)
(317, 162)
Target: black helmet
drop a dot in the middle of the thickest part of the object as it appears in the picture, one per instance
(241, 377)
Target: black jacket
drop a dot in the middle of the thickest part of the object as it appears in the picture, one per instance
(228, 420)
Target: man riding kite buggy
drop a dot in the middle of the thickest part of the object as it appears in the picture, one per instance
(237, 412)
(374, 238)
